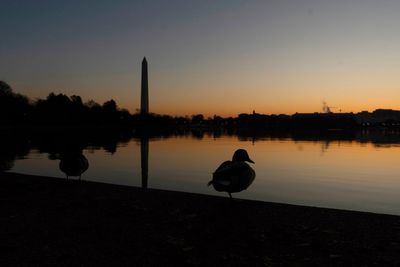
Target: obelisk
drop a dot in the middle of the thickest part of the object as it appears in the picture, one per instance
(144, 103)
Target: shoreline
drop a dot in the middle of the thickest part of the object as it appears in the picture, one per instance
(51, 221)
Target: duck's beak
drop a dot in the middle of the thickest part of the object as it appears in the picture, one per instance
(249, 160)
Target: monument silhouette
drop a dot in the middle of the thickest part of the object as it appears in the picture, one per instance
(144, 103)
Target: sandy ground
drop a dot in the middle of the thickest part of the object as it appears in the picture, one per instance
(57, 222)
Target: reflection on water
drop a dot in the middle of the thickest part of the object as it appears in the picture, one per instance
(144, 160)
(357, 171)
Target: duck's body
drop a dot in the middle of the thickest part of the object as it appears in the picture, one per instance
(234, 176)
(74, 164)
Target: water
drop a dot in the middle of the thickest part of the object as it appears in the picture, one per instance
(351, 175)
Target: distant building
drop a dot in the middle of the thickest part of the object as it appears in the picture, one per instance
(144, 100)
(378, 116)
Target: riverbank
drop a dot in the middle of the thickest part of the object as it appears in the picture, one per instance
(57, 222)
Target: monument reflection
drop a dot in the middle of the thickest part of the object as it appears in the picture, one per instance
(144, 160)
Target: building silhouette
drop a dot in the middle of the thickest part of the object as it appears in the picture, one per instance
(144, 103)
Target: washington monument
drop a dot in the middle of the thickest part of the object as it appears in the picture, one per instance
(144, 103)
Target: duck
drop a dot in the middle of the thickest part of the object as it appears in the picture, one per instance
(234, 175)
(73, 164)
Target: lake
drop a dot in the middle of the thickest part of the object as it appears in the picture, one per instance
(342, 174)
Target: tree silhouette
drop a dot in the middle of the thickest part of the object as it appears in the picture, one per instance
(14, 107)
(110, 106)
(5, 89)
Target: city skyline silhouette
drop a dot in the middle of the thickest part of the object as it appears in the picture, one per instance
(225, 59)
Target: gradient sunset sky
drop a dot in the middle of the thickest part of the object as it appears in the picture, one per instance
(210, 57)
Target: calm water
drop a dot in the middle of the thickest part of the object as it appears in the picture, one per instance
(338, 174)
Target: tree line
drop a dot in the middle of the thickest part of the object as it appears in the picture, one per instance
(57, 109)
(62, 110)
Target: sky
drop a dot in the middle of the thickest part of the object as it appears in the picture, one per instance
(221, 57)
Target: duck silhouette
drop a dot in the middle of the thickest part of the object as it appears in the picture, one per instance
(234, 176)
(73, 164)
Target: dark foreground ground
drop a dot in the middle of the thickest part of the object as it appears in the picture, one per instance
(55, 222)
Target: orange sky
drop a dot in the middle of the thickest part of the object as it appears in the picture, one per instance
(227, 58)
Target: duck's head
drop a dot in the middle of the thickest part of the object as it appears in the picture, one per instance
(241, 155)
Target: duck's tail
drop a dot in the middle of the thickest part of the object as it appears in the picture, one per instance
(210, 183)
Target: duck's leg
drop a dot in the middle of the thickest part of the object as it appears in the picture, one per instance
(230, 196)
